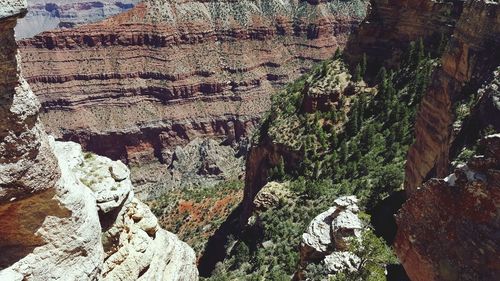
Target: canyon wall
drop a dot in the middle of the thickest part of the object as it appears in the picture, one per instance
(66, 215)
(470, 32)
(392, 24)
(447, 230)
(45, 15)
(136, 85)
(469, 61)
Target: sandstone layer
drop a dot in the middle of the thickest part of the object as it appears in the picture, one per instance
(448, 229)
(166, 72)
(58, 206)
(392, 24)
(469, 60)
(45, 15)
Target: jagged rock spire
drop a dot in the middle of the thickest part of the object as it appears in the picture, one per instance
(26, 163)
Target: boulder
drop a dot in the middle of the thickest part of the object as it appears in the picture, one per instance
(331, 229)
(270, 195)
(328, 235)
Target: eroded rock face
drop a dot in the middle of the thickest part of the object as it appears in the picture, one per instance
(56, 202)
(167, 72)
(270, 195)
(138, 249)
(27, 165)
(28, 168)
(200, 162)
(448, 229)
(328, 235)
(392, 24)
(95, 204)
(470, 59)
(51, 14)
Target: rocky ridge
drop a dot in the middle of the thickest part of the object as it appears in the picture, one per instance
(167, 72)
(448, 229)
(65, 215)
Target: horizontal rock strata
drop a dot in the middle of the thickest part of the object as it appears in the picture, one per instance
(166, 72)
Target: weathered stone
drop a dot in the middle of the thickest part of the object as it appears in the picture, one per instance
(328, 236)
(448, 229)
(144, 251)
(135, 86)
(201, 162)
(27, 165)
(340, 261)
(270, 195)
(50, 227)
(470, 59)
(43, 15)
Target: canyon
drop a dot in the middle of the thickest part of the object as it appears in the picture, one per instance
(467, 76)
(136, 85)
(396, 137)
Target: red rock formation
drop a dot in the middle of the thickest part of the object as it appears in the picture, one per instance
(470, 58)
(164, 73)
(448, 229)
(392, 24)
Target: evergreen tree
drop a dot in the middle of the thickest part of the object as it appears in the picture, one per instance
(281, 169)
(357, 73)
(411, 56)
(420, 51)
(343, 153)
(338, 54)
(442, 44)
(381, 75)
(364, 65)
(334, 140)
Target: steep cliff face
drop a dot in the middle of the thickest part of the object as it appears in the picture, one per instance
(392, 24)
(51, 14)
(448, 229)
(26, 163)
(469, 60)
(167, 72)
(65, 215)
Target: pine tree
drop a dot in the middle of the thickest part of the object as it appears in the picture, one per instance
(343, 153)
(420, 51)
(442, 44)
(411, 55)
(338, 54)
(381, 75)
(357, 73)
(364, 65)
(334, 140)
(280, 171)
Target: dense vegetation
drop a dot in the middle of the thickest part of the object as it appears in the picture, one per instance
(358, 147)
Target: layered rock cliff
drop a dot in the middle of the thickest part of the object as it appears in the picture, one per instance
(136, 85)
(66, 215)
(45, 15)
(392, 24)
(469, 60)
